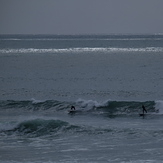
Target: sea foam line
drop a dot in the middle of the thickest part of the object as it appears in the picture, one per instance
(80, 50)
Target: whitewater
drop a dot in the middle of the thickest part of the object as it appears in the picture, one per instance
(106, 77)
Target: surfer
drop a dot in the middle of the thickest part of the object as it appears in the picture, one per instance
(72, 111)
(144, 110)
(72, 107)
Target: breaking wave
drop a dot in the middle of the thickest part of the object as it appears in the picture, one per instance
(36, 126)
(80, 50)
(82, 105)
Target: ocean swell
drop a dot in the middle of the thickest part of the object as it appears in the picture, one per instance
(38, 127)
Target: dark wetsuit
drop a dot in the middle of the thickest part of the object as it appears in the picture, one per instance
(144, 109)
(72, 107)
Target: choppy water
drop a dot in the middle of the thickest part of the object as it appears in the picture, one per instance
(107, 78)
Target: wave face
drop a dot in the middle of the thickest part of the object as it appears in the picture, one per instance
(81, 104)
(39, 127)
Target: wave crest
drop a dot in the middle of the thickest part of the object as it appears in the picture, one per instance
(80, 50)
(81, 105)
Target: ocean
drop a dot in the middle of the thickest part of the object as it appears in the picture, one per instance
(106, 77)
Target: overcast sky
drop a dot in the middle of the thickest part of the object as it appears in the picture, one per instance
(81, 16)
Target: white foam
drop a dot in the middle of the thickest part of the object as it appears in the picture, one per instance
(159, 106)
(90, 104)
(34, 101)
(79, 50)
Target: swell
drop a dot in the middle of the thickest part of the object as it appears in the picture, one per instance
(48, 127)
(40, 127)
(37, 127)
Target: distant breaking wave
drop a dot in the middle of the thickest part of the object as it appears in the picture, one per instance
(80, 50)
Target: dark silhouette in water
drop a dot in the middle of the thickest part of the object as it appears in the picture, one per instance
(144, 110)
(73, 110)
(72, 107)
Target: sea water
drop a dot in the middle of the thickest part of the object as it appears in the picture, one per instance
(106, 77)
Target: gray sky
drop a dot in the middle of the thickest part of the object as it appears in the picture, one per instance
(81, 16)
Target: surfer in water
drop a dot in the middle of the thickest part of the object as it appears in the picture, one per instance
(73, 110)
(144, 110)
(72, 107)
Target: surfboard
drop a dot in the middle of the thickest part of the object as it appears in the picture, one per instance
(72, 111)
(141, 114)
